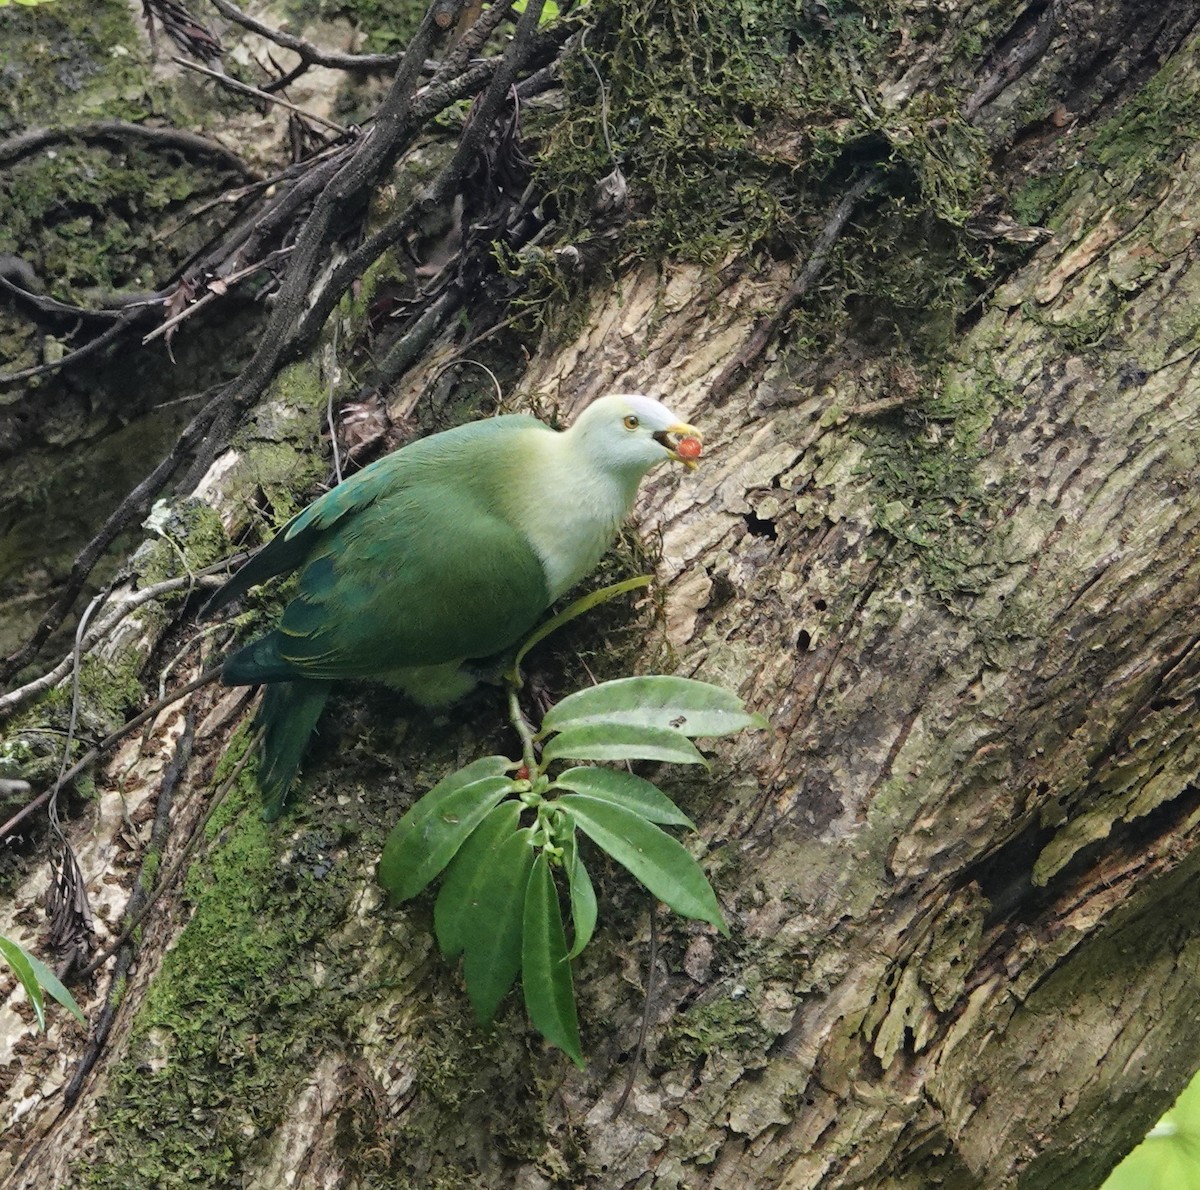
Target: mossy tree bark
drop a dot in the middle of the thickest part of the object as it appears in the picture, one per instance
(953, 560)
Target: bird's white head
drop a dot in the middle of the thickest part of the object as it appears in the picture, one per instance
(629, 432)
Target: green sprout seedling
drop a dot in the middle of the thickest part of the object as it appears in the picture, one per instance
(36, 978)
(506, 833)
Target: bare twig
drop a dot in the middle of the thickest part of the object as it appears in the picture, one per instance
(111, 334)
(33, 140)
(45, 304)
(647, 1006)
(587, 57)
(310, 55)
(244, 240)
(71, 924)
(182, 28)
(17, 698)
(211, 294)
(751, 351)
(405, 351)
(473, 40)
(247, 89)
(483, 336)
(105, 744)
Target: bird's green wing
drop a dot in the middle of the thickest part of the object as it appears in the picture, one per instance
(415, 578)
(426, 460)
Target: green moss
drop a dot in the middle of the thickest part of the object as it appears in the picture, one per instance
(1137, 148)
(1036, 201)
(151, 864)
(929, 501)
(383, 273)
(70, 56)
(109, 688)
(190, 536)
(728, 1025)
(739, 128)
(231, 1025)
(1158, 122)
(81, 210)
(281, 465)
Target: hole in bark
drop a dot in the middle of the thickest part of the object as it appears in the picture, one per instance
(1131, 375)
(820, 604)
(760, 527)
(803, 640)
(722, 590)
(1005, 877)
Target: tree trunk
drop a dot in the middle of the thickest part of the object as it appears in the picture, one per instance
(960, 870)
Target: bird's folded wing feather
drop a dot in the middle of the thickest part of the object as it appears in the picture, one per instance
(411, 581)
(453, 453)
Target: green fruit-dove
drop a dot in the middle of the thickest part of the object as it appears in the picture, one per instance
(447, 550)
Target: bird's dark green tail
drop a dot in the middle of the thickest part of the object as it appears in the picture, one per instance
(288, 714)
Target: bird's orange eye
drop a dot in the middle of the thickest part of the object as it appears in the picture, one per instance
(631, 422)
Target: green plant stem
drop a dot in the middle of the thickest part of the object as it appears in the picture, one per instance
(524, 730)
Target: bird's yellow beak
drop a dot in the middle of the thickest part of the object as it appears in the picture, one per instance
(684, 443)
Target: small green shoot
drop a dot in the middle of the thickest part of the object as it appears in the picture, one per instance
(571, 612)
(507, 834)
(550, 11)
(35, 978)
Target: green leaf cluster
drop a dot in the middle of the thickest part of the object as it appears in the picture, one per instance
(550, 11)
(35, 978)
(507, 836)
(1169, 1157)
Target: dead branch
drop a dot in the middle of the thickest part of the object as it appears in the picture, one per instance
(246, 89)
(15, 699)
(309, 54)
(334, 185)
(767, 329)
(217, 288)
(33, 140)
(44, 304)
